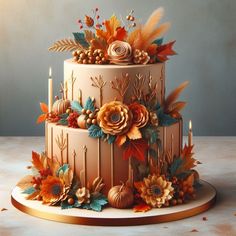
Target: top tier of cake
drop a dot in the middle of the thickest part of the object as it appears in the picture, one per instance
(83, 81)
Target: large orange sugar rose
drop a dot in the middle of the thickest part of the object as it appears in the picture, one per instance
(114, 118)
(140, 114)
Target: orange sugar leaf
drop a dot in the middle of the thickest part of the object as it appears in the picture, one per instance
(41, 118)
(36, 160)
(142, 207)
(44, 107)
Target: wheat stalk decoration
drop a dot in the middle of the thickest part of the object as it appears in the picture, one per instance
(64, 45)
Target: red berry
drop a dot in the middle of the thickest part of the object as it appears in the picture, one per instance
(81, 27)
(98, 17)
(79, 21)
(96, 9)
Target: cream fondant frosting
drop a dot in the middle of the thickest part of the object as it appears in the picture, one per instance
(90, 157)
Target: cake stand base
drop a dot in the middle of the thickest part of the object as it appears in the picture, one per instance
(205, 199)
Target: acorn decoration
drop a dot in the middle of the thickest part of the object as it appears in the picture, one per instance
(121, 196)
(60, 106)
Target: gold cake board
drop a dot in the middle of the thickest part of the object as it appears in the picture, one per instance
(205, 199)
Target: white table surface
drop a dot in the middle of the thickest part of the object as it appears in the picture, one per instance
(218, 155)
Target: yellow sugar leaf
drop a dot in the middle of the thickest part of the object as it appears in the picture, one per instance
(134, 133)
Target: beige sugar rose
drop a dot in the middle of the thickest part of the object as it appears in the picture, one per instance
(120, 53)
(114, 118)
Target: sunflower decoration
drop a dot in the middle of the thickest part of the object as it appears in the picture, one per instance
(155, 190)
(55, 189)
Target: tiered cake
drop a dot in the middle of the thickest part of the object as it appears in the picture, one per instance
(114, 138)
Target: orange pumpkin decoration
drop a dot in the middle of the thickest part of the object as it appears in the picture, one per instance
(121, 196)
(81, 121)
(60, 106)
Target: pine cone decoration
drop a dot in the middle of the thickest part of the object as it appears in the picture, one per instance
(90, 56)
(140, 57)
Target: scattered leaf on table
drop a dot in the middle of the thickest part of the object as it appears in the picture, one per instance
(194, 230)
(142, 207)
(3, 209)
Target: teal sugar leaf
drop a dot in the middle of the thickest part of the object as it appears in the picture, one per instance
(164, 119)
(29, 190)
(89, 104)
(80, 38)
(64, 115)
(75, 105)
(66, 205)
(95, 131)
(111, 139)
(63, 168)
(175, 166)
(63, 120)
(158, 41)
(86, 206)
(101, 199)
(95, 206)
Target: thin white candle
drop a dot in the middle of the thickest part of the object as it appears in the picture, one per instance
(50, 90)
(190, 134)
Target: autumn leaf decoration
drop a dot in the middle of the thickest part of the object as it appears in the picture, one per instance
(172, 107)
(183, 164)
(113, 30)
(135, 148)
(44, 109)
(142, 37)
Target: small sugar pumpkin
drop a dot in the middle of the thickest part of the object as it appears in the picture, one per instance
(81, 121)
(60, 106)
(121, 196)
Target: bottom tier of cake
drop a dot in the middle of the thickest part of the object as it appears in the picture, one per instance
(91, 158)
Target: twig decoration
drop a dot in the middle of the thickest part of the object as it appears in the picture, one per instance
(61, 143)
(138, 86)
(99, 83)
(72, 79)
(121, 85)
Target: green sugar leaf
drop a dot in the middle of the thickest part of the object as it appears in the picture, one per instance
(75, 105)
(111, 139)
(158, 41)
(89, 104)
(29, 190)
(80, 38)
(95, 131)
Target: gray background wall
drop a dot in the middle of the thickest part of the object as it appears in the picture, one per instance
(206, 44)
